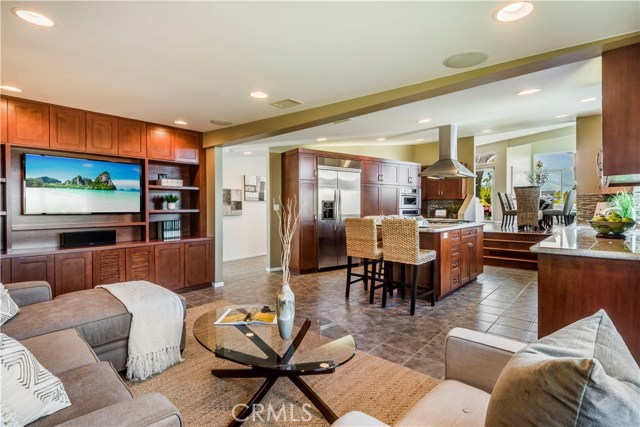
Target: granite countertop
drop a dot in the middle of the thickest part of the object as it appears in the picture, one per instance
(582, 241)
(439, 228)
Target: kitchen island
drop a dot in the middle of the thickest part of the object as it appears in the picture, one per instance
(579, 274)
(459, 248)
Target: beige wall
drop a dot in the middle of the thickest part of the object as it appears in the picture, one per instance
(426, 154)
(395, 152)
(588, 142)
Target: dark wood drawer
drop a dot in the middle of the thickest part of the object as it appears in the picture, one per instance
(469, 231)
(455, 278)
(455, 262)
(455, 235)
(455, 249)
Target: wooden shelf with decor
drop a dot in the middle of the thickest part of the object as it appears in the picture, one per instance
(31, 243)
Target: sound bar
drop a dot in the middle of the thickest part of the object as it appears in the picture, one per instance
(88, 238)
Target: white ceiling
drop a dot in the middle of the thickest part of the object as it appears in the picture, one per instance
(197, 61)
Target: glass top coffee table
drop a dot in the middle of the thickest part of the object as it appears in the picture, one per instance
(317, 346)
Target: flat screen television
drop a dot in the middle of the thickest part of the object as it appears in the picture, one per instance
(67, 185)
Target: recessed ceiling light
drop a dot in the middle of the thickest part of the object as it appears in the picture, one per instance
(180, 122)
(466, 59)
(10, 88)
(247, 153)
(32, 17)
(513, 11)
(321, 139)
(528, 91)
(381, 139)
(259, 95)
(419, 139)
(486, 131)
(588, 99)
(424, 120)
(561, 116)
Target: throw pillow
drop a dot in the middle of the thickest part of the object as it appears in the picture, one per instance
(8, 308)
(581, 375)
(29, 391)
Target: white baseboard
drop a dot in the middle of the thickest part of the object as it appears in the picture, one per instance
(273, 269)
(237, 258)
(217, 284)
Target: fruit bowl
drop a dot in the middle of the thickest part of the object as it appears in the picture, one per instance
(610, 229)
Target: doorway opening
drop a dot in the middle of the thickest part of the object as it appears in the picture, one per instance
(484, 190)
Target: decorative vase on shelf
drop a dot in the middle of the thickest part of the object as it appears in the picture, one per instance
(171, 206)
(285, 301)
(286, 311)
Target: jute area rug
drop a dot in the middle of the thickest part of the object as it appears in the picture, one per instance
(367, 383)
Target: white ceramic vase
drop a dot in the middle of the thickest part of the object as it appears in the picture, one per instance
(171, 206)
(286, 310)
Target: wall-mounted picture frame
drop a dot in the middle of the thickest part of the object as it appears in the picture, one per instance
(231, 202)
(254, 188)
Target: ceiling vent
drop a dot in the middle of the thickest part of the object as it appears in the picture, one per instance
(341, 121)
(220, 122)
(286, 103)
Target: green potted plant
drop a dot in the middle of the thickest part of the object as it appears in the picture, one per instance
(171, 200)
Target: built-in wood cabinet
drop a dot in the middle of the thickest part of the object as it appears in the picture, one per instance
(390, 173)
(73, 272)
(28, 123)
(102, 134)
(140, 264)
(187, 146)
(620, 110)
(67, 129)
(444, 189)
(109, 266)
(470, 256)
(4, 134)
(132, 138)
(196, 265)
(160, 142)
(169, 265)
(30, 268)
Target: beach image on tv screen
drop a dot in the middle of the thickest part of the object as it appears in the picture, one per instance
(64, 185)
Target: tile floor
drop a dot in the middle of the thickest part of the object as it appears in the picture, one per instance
(503, 301)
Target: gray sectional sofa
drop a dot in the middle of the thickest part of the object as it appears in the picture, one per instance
(82, 337)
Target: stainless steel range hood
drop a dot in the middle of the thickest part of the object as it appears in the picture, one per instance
(448, 166)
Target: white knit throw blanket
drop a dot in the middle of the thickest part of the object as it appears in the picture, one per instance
(156, 327)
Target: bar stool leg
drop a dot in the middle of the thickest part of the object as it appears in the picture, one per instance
(388, 281)
(349, 260)
(365, 279)
(403, 281)
(414, 288)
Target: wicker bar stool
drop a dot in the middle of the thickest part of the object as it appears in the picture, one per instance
(401, 240)
(362, 242)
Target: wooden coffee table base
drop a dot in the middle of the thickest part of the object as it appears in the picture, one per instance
(271, 378)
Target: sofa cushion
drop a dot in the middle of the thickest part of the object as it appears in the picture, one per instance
(29, 391)
(71, 351)
(582, 374)
(8, 308)
(90, 387)
(450, 403)
(99, 317)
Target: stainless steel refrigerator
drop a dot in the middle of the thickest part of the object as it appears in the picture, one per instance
(338, 199)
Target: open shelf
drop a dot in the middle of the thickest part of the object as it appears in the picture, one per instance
(167, 211)
(27, 227)
(164, 187)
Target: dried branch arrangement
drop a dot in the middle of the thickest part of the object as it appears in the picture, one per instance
(288, 221)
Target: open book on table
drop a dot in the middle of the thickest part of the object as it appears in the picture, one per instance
(248, 315)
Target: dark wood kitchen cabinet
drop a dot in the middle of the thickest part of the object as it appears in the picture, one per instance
(28, 123)
(73, 272)
(444, 189)
(102, 134)
(379, 200)
(408, 175)
(385, 172)
(67, 129)
(621, 110)
(470, 256)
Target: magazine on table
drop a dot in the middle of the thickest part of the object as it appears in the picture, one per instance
(248, 315)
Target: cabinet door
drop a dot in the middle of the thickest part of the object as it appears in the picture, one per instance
(140, 264)
(108, 267)
(28, 123)
(307, 166)
(102, 134)
(414, 176)
(453, 188)
(187, 146)
(620, 110)
(73, 272)
(431, 189)
(169, 265)
(370, 199)
(404, 172)
(308, 239)
(371, 172)
(197, 259)
(160, 143)
(5, 270)
(3, 120)
(28, 268)
(389, 198)
(132, 138)
(465, 259)
(67, 129)
(389, 173)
